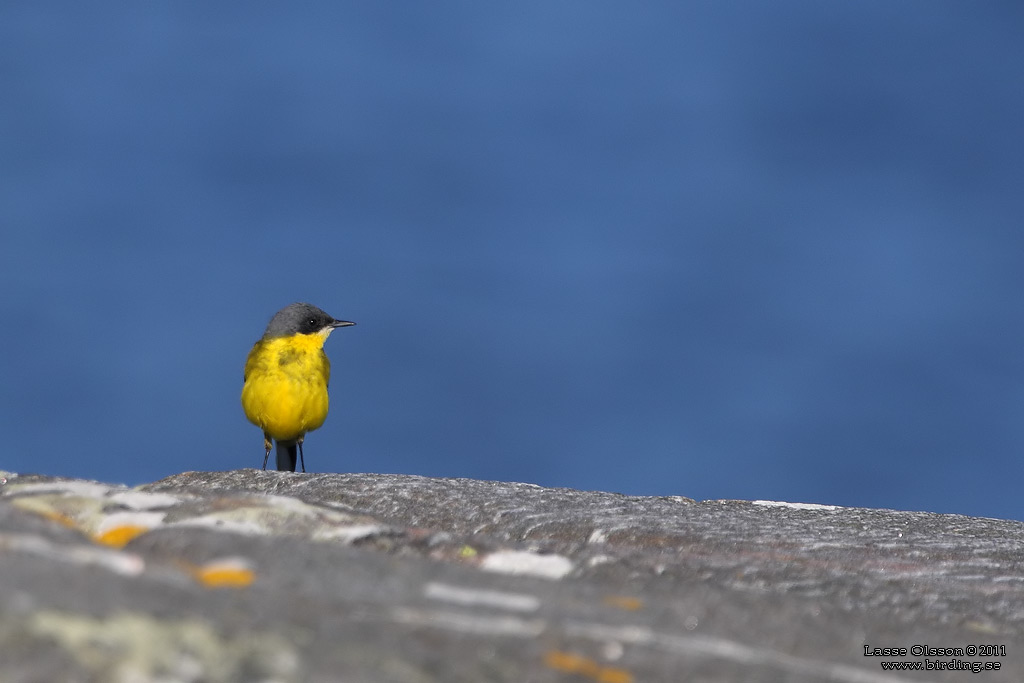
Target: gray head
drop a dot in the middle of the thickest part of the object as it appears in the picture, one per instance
(302, 319)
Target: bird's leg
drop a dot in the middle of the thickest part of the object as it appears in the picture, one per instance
(266, 445)
(302, 459)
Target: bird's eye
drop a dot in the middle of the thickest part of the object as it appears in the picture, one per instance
(312, 322)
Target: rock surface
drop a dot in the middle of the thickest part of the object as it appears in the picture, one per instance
(268, 576)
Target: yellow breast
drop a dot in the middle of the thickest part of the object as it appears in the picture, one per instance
(285, 390)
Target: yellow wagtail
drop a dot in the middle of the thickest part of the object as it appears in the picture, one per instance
(286, 377)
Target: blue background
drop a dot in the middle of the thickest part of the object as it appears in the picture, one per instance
(714, 249)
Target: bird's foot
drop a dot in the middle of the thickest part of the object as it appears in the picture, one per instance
(266, 444)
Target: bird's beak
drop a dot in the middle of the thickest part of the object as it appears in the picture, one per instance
(341, 323)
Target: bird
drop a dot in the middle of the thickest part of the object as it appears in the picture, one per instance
(286, 376)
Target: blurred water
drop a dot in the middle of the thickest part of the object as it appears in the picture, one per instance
(721, 250)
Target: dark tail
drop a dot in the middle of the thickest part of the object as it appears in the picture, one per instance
(287, 451)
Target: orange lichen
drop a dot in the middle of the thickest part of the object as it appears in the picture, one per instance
(624, 602)
(222, 574)
(118, 536)
(60, 518)
(225, 577)
(570, 663)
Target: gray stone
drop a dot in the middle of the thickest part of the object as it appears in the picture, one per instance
(268, 576)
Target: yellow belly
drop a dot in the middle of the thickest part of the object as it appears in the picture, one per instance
(285, 390)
